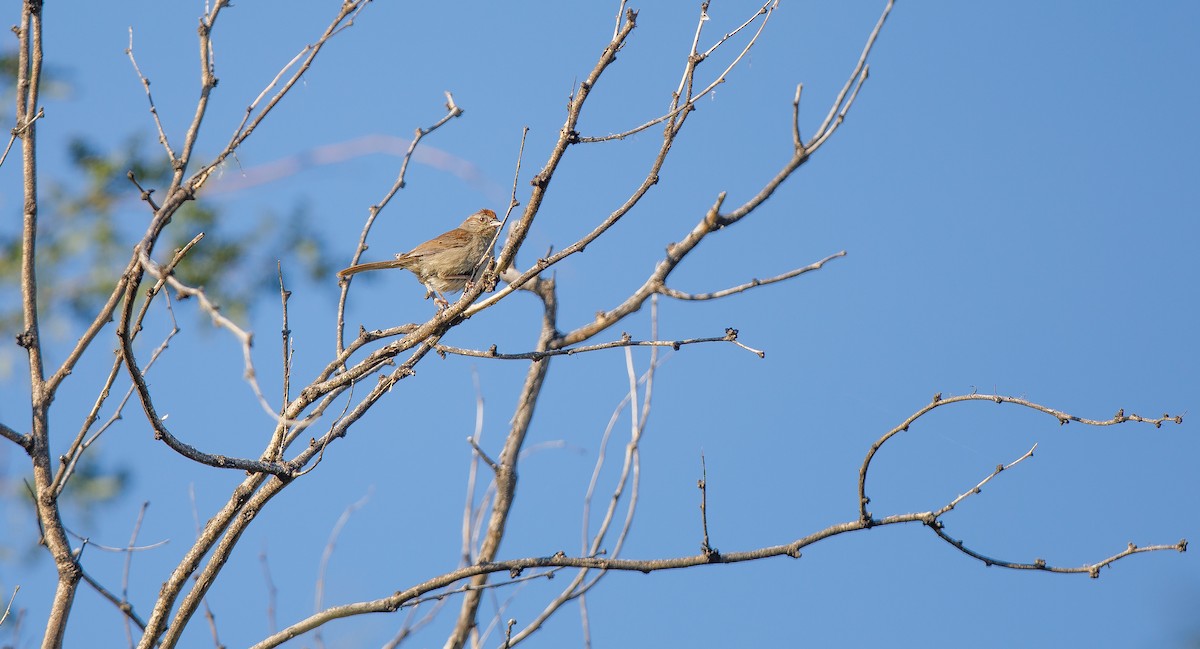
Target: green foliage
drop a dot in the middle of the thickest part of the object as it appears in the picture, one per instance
(87, 229)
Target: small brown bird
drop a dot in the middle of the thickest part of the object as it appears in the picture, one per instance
(446, 262)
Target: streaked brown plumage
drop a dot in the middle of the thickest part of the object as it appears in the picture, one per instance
(444, 263)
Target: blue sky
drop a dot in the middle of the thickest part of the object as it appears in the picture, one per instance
(1016, 191)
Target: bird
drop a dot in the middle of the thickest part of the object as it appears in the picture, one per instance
(447, 262)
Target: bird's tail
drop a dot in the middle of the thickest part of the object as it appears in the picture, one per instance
(374, 265)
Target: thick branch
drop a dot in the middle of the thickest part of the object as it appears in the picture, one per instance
(506, 471)
(567, 136)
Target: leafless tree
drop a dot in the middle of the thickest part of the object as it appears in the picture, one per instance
(367, 366)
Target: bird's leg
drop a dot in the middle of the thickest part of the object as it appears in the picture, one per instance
(438, 299)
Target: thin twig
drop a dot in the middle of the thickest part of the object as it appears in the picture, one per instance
(208, 614)
(245, 338)
(411, 626)
(272, 591)
(122, 605)
(162, 134)
(512, 201)
(797, 141)
(345, 17)
(286, 336)
(712, 221)
(979, 487)
(129, 550)
(479, 452)
(81, 443)
(17, 131)
(857, 76)
(694, 58)
(88, 541)
(620, 14)
(8, 609)
(623, 342)
(702, 484)
(473, 471)
(754, 283)
(327, 552)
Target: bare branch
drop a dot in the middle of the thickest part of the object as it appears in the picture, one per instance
(1092, 569)
(242, 496)
(344, 18)
(80, 444)
(567, 136)
(512, 204)
(620, 14)
(160, 430)
(29, 71)
(473, 472)
(714, 220)
(702, 484)
(272, 590)
(452, 111)
(625, 341)
(938, 401)
(516, 566)
(276, 446)
(162, 134)
(8, 609)
(412, 625)
(24, 441)
(754, 283)
(18, 131)
(327, 552)
(694, 59)
(122, 605)
(979, 487)
(129, 550)
(857, 77)
(797, 142)
(629, 478)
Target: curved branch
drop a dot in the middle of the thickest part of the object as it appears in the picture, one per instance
(937, 402)
(1091, 569)
(161, 432)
